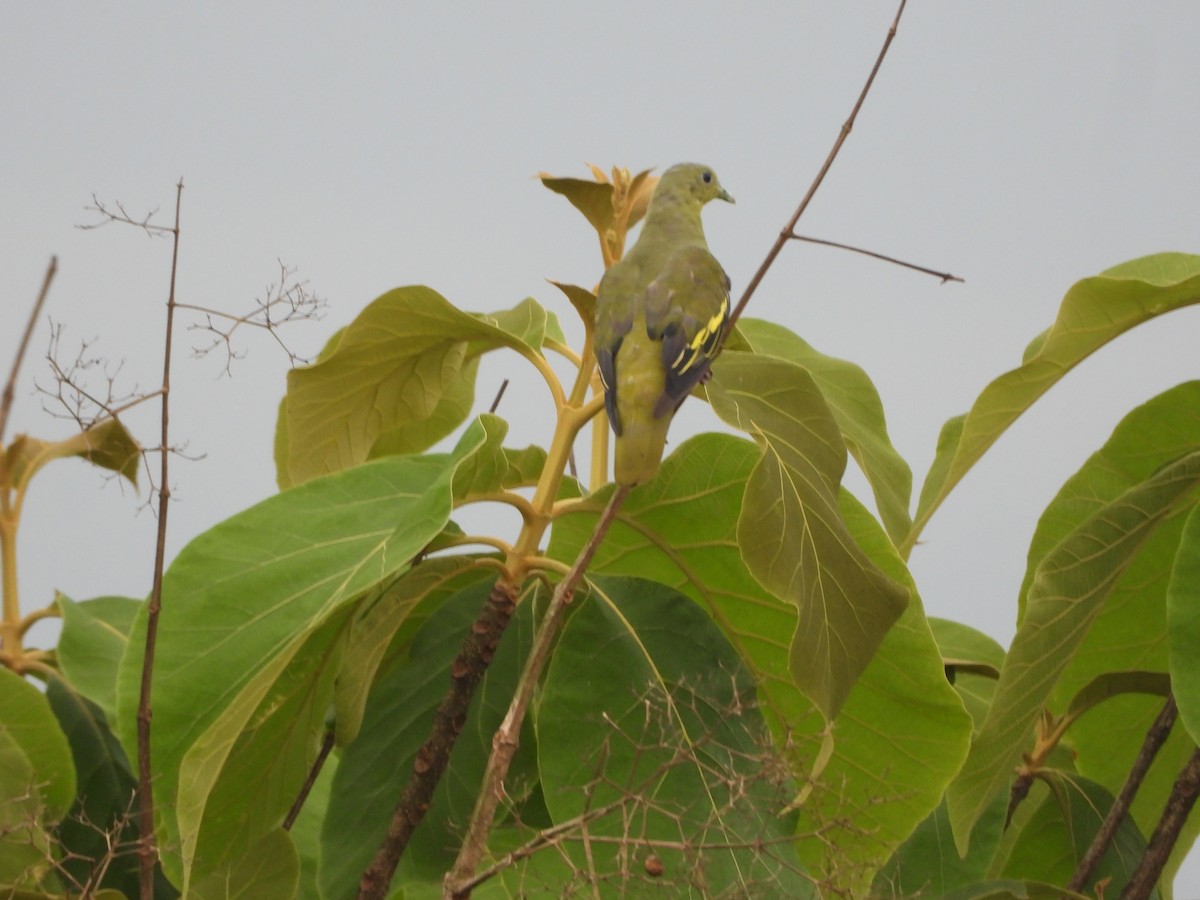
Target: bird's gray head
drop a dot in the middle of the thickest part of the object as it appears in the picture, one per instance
(693, 181)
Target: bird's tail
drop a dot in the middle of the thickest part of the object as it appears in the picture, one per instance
(639, 449)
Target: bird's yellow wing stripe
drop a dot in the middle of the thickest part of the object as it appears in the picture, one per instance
(700, 347)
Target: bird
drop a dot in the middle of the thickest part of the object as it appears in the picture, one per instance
(661, 313)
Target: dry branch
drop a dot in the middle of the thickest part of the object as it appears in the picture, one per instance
(789, 229)
(1156, 736)
(148, 852)
(508, 736)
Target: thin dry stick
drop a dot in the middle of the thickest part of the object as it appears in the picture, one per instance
(576, 829)
(944, 276)
(6, 401)
(786, 234)
(148, 851)
(547, 837)
(1170, 823)
(499, 396)
(1156, 736)
(508, 737)
(306, 788)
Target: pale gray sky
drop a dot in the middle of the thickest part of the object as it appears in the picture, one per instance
(1021, 145)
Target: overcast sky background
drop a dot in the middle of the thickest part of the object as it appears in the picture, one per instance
(1020, 145)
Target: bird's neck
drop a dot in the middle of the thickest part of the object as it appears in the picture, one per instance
(673, 220)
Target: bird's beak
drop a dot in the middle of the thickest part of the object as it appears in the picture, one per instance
(726, 196)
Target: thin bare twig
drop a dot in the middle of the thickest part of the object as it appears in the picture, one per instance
(122, 217)
(1156, 736)
(6, 401)
(944, 276)
(81, 404)
(731, 773)
(148, 851)
(499, 395)
(507, 737)
(306, 788)
(297, 302)
(788, 229)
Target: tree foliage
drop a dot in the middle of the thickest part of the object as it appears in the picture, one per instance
(746, 700)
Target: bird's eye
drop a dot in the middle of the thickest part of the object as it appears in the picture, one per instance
(707, 176)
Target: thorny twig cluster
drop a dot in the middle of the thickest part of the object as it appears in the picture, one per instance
(81, 875)
(74, 395)
(85, 387)
(86, 391)
(121, 216)
(286, 300)
(630, 834)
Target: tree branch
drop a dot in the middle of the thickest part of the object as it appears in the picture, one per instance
(313, 772)
(508, 736)
(1156, 736)
(788, 229)
(148, 851)
(6, 401)
(944, 276)
(466, 672)
(1162, 842)
(499, 396)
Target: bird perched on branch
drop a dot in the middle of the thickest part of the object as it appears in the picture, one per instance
(660, 314)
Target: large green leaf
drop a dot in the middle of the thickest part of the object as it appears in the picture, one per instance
(648, 710)
(489, 469)
(267, 869)
(928, 865)
(306, 830)
(37, 784)
(380, 618)
(1012, 890)
(27, 720)
(1130, 633)
(790, 531)
(973, 661)
(856, 406)
(98, 834)
(94, 636)
(1183, 625)
(1068, 591)
(1151, 435)
(26, 854)
(270, 756)
(400, 378)
(493, 467)
(256, 587)
(374, 769)
(1093, 312)
(1056, 837)
(901, 734)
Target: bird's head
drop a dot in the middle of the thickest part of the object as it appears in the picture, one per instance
(693, 181)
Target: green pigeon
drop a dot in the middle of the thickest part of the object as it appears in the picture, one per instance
(660, 314)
